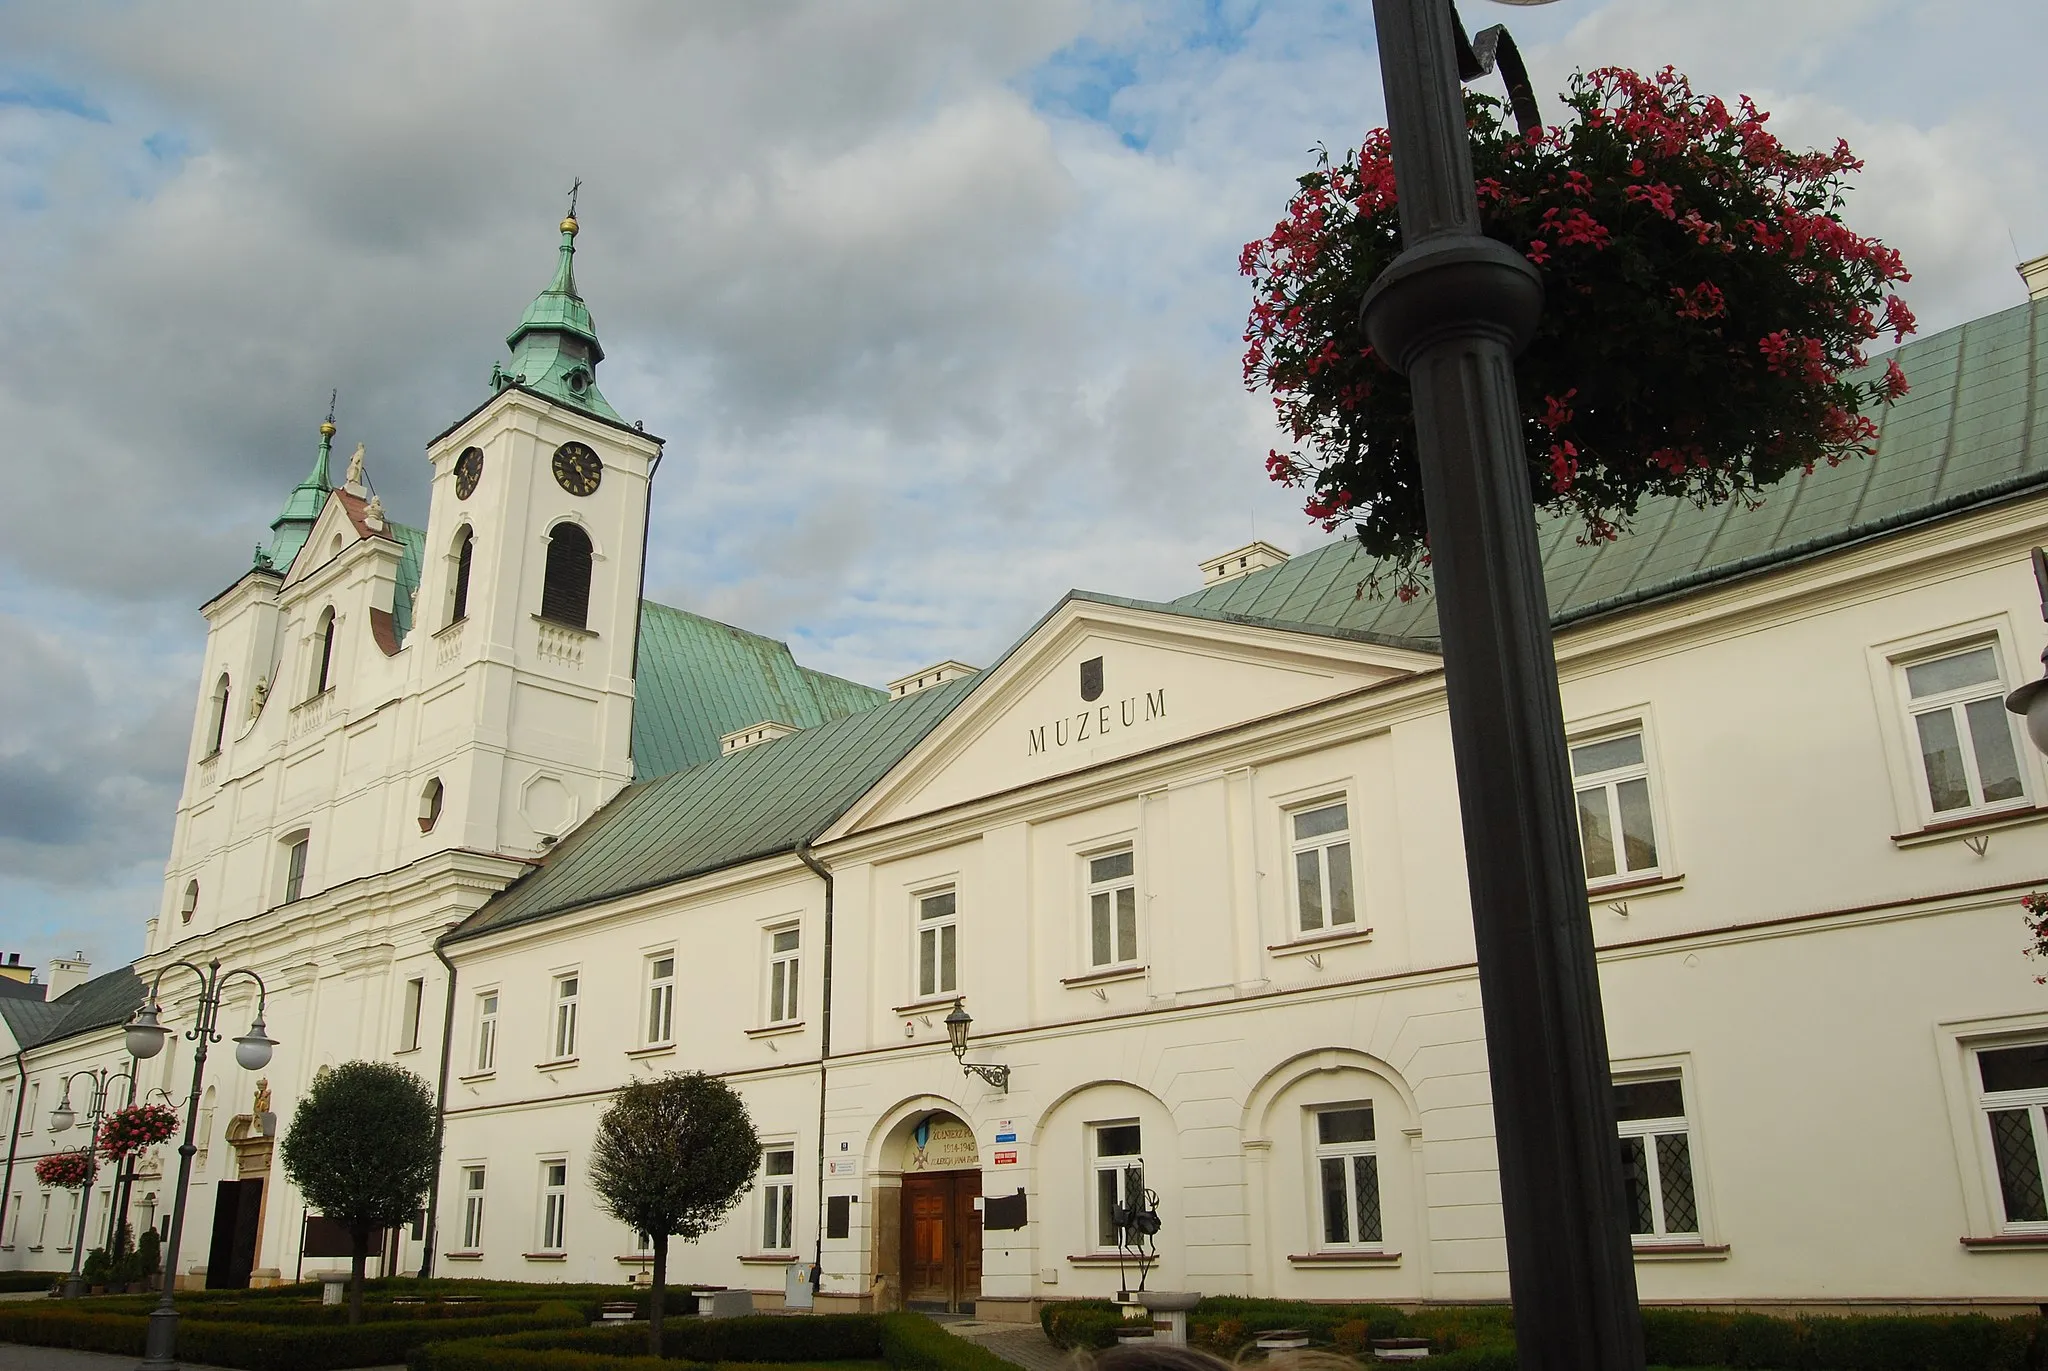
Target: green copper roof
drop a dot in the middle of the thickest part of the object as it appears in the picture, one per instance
(698, 679)
(754, 803)
(413, 541)
(555, 349)
(290, 529)
(1974, 428)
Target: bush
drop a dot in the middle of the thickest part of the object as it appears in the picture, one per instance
(911, 1342)
(13, 1281)
(1970, 1342)
(908, 1342)
(1080, 1323)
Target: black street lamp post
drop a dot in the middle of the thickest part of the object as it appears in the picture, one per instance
(61, 1118)
(146, 1038)
(1451, 313)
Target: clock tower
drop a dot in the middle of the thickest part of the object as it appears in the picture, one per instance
(529, 598)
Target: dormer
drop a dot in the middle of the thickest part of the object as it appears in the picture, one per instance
(1241, 561)
(767, 731)
(926, 677)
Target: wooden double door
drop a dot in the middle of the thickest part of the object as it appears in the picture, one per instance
(941, 1238)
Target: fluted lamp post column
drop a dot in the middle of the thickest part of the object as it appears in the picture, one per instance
(146, 1038)
(1451, 313)
(61, 1118)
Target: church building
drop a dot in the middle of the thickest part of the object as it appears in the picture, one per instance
(1166, 905)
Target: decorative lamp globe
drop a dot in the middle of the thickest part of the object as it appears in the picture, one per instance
(145, 1035)
(2030, 702)
(957, 1024)
(252, 1050)
(62, 1117)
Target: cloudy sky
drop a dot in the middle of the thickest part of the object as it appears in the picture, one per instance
(936, 302)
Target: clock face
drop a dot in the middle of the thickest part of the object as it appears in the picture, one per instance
(469, 469)
(578, 469)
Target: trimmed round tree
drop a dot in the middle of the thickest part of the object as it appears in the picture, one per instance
(672, 1157)
(361, 1150)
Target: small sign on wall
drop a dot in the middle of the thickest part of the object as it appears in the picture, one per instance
(1006, 1158)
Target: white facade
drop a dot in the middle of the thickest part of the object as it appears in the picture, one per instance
(1199, 880)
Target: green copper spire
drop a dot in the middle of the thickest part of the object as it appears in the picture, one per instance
(290, 529)
(555, 349)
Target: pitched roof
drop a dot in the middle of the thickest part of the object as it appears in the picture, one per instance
(1973, 429)
(101, 1002)
(698, 679)
(753, 803)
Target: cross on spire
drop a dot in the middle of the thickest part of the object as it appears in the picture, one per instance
(574, 187)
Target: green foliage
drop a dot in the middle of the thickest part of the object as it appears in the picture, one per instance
(674, 1154)
(12, 1281)
(906, 1342)
(361, 1144)
(151, 1253)
(98, 1267)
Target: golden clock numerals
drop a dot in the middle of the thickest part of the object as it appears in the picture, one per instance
(578, 470)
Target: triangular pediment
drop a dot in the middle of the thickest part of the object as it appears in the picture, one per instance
(339, 528)
(1098, 681)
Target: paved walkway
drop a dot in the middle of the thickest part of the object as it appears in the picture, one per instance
(1020, 1344)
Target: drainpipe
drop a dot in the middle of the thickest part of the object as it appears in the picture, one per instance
(803, 853)
(14, 1128)
(640, 604)
(440, 1114)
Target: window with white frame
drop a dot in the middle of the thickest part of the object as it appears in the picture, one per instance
(1117, 1153)
(28, 1115)
(1656, 1158)
(778, 1199)
(1961, 731)
(1113, 909)
(1348, 1177)
(297, 848)
(2014, 1086)
(661, 999)
(472, 1208)
(66, 1235)
(783, 960)
(1320, 838)
(1611, 783)
(409, 1014)
(554, 1205)
(43, 1223)
(487, 1030)
(562, 1038)
(14, 1219)
(938, 943)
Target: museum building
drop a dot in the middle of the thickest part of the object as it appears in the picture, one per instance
(1190, 872)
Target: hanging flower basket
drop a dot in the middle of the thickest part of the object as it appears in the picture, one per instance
(129, 1130)
(1703, 302)
(2034, 909)
(65, 1170)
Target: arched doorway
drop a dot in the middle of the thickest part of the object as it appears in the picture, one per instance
(940, 1243)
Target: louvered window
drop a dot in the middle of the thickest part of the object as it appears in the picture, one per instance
(565, 595)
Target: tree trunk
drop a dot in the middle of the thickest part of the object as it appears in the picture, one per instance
(660, 1285)
(358, 1261)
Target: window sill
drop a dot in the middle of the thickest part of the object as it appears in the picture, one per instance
(1682, 1252)
(2008, 1242)
(636, 1259)
(928, 1004)
(471, 1256)
(1345, 1259)
(1316, 942)
(655, 1050)
(768, 1259)
(475, 1076)
(555, 1064)
(451, 626)
(1100, 1259)
(1634, 886)
(1971, 824)
(1105, 976)
(405, 1051)
(545, 1256)
(561, 627)
(774, 1030)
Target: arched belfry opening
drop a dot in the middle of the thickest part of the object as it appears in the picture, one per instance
(461, 554)
(323, 647)
(565, 592)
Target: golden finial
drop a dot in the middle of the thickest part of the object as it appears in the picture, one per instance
(568, 226)
(327, 425)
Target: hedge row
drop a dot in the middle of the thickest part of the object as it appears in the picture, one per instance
(266, 1346)
(12, 1281)
(1481, 1338)
(907, 1342)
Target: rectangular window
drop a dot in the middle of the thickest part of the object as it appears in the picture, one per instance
(1119, 1182)
(14, 1219)
(1611, 781)
(2014, 1084)
(409, 1015)
(1656, 1158)
(28, 1115)
(938, 944)
(487, 1030)
(1113, 909)
(1321, 842)
(554, 1205)
(1348, 1177)
(295, 868)
(69, 1232)
(1963, 733)
(43, 1222)
(782, 974)
(564, 1035)
(661, 999)
(472, 1208)
(778, 1199)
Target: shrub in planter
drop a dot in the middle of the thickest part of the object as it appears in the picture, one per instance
(1706, 311)
(98, 1267)
(1081, 1323)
